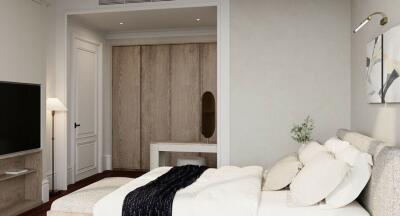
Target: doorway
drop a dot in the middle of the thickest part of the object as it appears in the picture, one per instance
(135, 38)
(86, 99)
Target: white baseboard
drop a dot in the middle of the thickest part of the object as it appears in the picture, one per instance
(49, 178)
(45, 190)
(107, 162)
(69, 176)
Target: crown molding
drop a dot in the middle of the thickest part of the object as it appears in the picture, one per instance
(161, 33)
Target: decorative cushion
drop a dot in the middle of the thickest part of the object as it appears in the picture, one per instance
(323, 156)
(353, 184)
(290, 157)
(282, 173)
(350, 155)
(336, 145)
(317, 180)
(310, 150)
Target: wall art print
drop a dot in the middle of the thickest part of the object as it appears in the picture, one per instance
(374, 71)
(391, 66)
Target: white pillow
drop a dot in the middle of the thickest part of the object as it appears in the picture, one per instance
(336, 145)
(350, 155)
(353, 184)
(282, 173)
(323, 156)
(290, 157)
(316, 181)
(310, 150)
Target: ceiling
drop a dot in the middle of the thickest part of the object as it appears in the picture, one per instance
(151, 19)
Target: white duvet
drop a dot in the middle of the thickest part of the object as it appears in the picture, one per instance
(229, 191)
(273, 203)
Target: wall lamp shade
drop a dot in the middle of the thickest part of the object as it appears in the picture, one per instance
(54, 104)
(384, 20)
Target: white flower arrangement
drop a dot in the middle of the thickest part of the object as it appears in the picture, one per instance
(301, 133)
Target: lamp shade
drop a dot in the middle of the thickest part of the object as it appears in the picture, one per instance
(54, 104)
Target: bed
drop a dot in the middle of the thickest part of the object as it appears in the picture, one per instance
(273, 203)
(381, 197)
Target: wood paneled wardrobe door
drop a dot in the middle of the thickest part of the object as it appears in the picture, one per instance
(126, 107)
(185, 91)
(208, 72)
(155, 98)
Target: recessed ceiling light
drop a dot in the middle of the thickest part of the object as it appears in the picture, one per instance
(121, 23)
(198, 19)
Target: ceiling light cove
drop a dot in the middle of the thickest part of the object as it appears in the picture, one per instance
(121, 23)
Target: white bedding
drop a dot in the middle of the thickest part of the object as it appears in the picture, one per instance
(229, 191)
(83, 200)
(273, 203)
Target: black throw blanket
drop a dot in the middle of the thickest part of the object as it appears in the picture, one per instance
(156, 197)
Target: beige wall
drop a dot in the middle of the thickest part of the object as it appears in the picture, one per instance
(379, 120)
(22, 53)
(289, 59)
(23, 47)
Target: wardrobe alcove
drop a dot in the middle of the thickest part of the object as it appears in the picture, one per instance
(157, 96)
(152, 68)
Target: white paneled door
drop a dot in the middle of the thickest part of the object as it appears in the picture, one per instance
(85, 108)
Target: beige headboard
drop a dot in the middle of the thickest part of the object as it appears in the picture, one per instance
(381, 197)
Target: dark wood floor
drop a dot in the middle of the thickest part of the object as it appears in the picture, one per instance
(41, 210)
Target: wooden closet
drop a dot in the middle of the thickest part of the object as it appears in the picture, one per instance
(157, 93)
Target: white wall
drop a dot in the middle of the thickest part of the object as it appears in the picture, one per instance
(58, 76)
(23, 47)
(289, 59)
(378, 120)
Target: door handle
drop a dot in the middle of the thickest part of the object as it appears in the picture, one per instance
(76, 125)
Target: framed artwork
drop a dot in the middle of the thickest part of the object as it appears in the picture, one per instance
(374, 70)
(391, 66)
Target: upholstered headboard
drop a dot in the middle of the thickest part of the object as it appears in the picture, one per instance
(381, 197)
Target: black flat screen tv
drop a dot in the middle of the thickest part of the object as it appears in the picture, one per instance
(19, 117)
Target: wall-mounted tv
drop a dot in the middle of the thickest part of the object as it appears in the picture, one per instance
(19, 117)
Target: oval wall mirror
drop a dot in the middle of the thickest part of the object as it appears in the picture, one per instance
(208, 114)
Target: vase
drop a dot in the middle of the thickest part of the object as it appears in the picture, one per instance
(302, 146)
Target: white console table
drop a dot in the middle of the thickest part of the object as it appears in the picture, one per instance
(158, 151)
